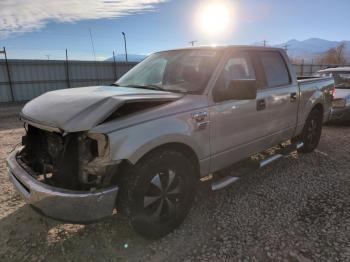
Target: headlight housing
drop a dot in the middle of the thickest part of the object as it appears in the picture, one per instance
(94, 158)
(102, 143)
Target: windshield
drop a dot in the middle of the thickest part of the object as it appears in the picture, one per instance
(178, 71)
(341, 79)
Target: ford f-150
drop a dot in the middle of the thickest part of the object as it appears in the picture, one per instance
(180, 116)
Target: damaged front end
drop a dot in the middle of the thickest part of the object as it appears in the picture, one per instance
(77, 161)
(65, 176)
(64, 170)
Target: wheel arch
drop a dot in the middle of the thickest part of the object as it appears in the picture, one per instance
(319, 107)
(179, 147)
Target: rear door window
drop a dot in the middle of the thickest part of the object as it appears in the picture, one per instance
(275, 68)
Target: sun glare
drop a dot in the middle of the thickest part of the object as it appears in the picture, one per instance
(214, 18)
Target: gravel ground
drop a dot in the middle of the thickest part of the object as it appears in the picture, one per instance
(296, 209)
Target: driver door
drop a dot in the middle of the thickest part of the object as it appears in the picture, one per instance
(235, 124)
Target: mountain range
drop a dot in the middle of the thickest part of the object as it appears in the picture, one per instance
(310, 48)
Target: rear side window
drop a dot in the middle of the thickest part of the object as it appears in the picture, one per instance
(275, 69)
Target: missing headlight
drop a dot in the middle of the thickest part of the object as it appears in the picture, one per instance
(100, 143)
(94, 158)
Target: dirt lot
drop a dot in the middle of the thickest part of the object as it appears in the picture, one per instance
(296, 209)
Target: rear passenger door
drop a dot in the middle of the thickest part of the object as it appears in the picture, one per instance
(278, 98)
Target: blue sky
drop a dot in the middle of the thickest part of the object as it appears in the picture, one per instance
(34, 29)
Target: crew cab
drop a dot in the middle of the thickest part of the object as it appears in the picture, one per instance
(180, 116)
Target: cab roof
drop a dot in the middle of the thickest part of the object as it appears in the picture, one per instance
(225, 47)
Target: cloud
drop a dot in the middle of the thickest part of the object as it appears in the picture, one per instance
(20, 16)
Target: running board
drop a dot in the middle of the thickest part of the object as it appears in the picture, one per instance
(228, 180)
(281, 153)
(223, 182)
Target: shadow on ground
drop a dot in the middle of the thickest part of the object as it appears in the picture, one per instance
(27, 236)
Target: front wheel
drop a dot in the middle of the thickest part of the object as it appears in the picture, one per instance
(157, 193)
(312, 131)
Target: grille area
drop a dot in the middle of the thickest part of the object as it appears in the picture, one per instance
(52, 156)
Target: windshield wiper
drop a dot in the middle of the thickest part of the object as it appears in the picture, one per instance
(152, 87)
(155, 87)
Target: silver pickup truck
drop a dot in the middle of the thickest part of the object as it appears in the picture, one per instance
(341, 97)
(140, 145)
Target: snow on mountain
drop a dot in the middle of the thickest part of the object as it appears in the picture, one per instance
(312, 47)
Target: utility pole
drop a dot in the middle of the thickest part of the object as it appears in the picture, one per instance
(8, 73)
(193, 42)
(67, 70)
(126, 51)
(264, 42)
(48, 57)
(93, 50)
(115, 67)
(92, 44)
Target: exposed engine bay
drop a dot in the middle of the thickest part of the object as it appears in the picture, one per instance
(78, 160)
(74, 160)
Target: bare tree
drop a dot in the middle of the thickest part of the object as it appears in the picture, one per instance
(340, 50)
(334, 56)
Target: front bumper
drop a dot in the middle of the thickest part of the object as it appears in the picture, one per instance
(340, 114)
(59, 203)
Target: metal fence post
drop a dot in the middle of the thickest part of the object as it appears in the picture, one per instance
(67, 70)
(302, 68)
(115, 67)
(312, 62)
(8, 74)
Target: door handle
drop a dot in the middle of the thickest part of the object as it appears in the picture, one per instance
(293, 97)
(260, 104)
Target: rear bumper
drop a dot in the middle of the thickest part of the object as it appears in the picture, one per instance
(59, 203)
(340, 114)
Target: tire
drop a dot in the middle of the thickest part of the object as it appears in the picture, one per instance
(311, 132)
(157, 193)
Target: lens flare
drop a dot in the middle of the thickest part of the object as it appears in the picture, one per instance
(214, 18)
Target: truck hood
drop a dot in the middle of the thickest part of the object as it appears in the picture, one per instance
(80, 109)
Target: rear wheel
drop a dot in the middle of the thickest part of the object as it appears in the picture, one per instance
(312, 131)
(157, 193)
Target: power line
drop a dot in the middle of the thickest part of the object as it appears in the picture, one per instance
(92, 44)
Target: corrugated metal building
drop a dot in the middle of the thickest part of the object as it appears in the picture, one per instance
(31, 78)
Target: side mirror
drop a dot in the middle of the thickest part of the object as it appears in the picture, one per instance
(242, 89)
(237, 90)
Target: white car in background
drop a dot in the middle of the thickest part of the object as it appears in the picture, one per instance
(341, 101)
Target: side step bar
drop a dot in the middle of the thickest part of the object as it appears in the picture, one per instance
(228, 180)
(223, 182)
